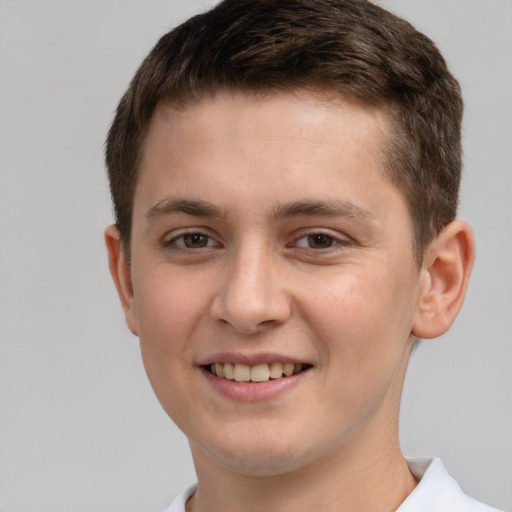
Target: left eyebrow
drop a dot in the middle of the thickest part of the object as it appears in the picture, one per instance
(335, 208)
(196, 208)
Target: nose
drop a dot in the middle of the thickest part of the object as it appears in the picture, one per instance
(252, 298)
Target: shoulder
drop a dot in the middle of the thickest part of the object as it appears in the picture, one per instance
(437, 491)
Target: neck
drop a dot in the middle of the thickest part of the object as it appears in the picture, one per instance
(338, 482)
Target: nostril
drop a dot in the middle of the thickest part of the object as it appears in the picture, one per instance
(251, 301)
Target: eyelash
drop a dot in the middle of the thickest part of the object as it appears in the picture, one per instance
(173, 242)
(331, 240)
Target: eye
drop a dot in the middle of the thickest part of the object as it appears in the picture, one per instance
(192, 240)
(317, 241)
(320, 241)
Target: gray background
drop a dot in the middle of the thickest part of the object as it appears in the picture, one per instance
(80, 429)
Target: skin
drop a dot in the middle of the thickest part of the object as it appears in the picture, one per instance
(348, 302)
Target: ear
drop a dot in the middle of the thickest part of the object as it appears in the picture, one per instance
(445, 275)
(121, 275)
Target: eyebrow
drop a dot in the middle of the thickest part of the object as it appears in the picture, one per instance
(188, 206)
(334, 208)
(199, 208)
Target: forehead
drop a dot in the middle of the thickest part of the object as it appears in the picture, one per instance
(282, 147)
(312, 107)
(309, 125)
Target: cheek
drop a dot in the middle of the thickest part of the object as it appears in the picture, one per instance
(362, 333)
(360, 319)
(168, 310)
(168, 305)
(167, 315)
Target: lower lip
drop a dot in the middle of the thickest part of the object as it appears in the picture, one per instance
(254, 391)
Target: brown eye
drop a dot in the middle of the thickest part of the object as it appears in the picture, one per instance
(192, 242)
(195, 240)
(320, 241)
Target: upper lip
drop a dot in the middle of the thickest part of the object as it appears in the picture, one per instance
(250, 359)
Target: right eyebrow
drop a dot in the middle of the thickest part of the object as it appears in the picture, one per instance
(169, 206)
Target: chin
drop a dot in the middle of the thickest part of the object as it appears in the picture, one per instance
(258, 455)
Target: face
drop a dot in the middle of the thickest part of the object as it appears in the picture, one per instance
(273, 282)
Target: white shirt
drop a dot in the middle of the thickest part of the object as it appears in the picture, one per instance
(437, 491)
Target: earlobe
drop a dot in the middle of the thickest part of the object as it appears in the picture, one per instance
(120, 272)
(445, 276)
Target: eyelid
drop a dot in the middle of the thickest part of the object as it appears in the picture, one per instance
(169, 240)
(339, 239)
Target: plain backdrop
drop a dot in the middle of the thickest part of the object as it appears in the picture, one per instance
(80, 429)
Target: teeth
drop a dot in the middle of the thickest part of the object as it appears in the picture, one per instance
(259, 373)
(228, 371)
(242, 373)
(288, 369)
(219, 370)
(276, 370)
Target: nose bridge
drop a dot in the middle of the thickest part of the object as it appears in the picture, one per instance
(252, 296)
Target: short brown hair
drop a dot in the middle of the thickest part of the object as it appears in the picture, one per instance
(350, 47)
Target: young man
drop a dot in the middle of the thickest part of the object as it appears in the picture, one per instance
(285, 177)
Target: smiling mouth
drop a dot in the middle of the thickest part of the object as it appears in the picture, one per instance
(259, 373)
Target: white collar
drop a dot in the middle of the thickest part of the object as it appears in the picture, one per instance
(437, 491)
